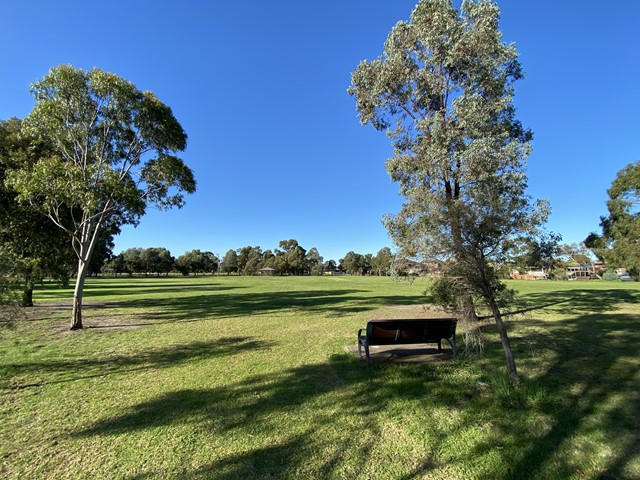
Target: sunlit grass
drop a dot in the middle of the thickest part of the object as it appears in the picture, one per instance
(243, 377)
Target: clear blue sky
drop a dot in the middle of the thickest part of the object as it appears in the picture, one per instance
(274, 140)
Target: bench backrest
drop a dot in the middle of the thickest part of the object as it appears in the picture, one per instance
(406, 331)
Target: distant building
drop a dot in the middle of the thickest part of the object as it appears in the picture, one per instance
(530, 275)
(581, 272)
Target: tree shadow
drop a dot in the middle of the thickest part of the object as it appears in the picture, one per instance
(579, 301)
(263, 403)
(62, 371)
(578, 398)
(221, 305)
(592, 386)
(165, 289)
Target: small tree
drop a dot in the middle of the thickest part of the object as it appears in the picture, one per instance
(114, 155)
(443, 91)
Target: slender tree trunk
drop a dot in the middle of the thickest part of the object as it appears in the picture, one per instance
(506, 344)
(87, 244)
(76, 320)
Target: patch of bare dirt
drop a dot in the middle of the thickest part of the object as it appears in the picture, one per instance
(408, 312)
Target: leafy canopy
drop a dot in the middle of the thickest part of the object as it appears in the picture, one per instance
(443, 91)
(114, 147)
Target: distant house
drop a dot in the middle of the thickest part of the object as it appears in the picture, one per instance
(581, 272)
(335, 271)
(266, 271)
(530, 275)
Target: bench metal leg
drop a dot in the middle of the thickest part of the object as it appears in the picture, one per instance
(362, 342)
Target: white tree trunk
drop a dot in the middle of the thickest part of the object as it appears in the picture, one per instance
(76, 320)
(87, 243)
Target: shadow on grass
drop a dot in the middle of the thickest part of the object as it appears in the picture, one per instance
(590, 394)
(590, 387)
(305, 398)
(190, 308)
(61, 371)
(595, 383)
(577, 301)
(166, 289)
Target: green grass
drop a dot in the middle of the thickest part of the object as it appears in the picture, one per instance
(243, 377)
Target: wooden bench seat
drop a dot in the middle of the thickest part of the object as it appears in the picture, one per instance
(406, 332)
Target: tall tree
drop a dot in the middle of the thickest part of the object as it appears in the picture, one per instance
(619, 243)
(32, 245)
(313, 261)
(443, 91)
(115, 154)
(230, 262)
(353, 263)
(291, 259)
(381, 263)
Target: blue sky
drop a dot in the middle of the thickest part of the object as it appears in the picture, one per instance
(274, 139)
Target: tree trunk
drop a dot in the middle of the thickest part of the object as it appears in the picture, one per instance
(86, 244)
(468, 309)
(506, 344)
(452, 194)
(27, 294)
(76, 320)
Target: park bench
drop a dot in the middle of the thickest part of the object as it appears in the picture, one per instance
(406, 332)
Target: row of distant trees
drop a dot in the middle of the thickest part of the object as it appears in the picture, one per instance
(289, 259)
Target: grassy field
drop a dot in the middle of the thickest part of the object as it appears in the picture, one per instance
(243, 377)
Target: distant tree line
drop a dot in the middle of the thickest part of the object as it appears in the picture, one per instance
(289, 259)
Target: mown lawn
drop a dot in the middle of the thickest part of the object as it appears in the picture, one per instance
(243, 377)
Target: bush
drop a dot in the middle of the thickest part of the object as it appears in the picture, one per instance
(610, 275)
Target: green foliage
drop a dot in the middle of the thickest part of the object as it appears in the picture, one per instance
(381, 263)
(610, 275)
(111, 154)
(354, 263)
(31, 243)
(542, 251)
(196, 262)
(230, 262)
(443, 92)
(619, 245)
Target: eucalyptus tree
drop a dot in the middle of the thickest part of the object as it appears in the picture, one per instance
(313, 261)
(115, 155)
(353, 263)
(230, 262)
(381, 263)
(619, 243)
(291, 259)
(443, 91)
